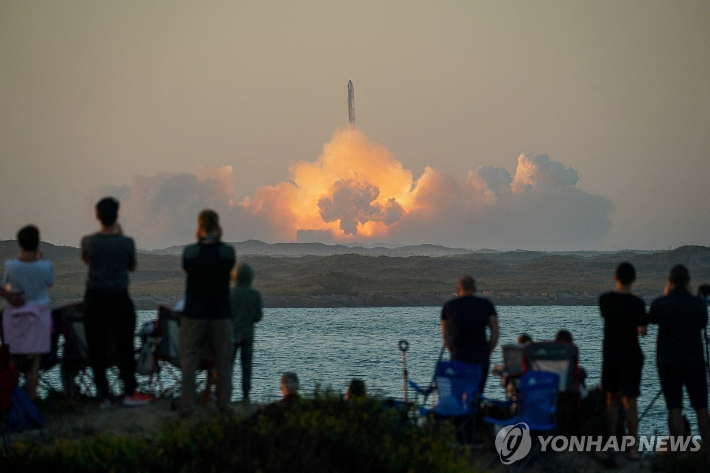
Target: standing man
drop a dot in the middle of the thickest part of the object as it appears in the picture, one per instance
(681, 317)
(246, 311)
(463, 326)
(207, 317)
(624, 319)
(109, 315)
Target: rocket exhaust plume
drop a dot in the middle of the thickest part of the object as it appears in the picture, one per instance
(351, 105)
(357, 191)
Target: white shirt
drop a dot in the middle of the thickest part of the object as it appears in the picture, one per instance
(34, 278)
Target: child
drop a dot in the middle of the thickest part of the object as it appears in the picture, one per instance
(27, 329)
(246, 311)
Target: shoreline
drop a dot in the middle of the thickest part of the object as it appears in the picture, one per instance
(142, 302)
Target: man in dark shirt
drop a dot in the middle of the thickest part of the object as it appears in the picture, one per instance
(463, 326)
(109, 315)
(622, 361)
(207, 317)
(681, 317)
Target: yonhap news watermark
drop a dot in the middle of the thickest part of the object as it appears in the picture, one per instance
(514, 442)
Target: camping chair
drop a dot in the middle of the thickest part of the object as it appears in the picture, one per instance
(166, 356)
(512, 367)
(538, 400)
(75, 363)
(561, 358)
(457, 387)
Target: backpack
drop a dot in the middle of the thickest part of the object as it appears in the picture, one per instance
(23, 413)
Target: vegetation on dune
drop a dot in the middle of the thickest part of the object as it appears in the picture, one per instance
(323, 434)
(508, 278)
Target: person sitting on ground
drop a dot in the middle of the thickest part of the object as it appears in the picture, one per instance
(356, 390)
(622, 360)
(289, 389)
(246, 311)
(681, 319)
(28, 329)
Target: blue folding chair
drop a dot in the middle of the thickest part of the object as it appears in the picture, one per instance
(457, 386)
(538, 398)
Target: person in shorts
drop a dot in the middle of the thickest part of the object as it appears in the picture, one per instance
(109, 315)
(625, 319)
(27, 330)
(681, 318)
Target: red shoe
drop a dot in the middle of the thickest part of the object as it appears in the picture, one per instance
(137, 399)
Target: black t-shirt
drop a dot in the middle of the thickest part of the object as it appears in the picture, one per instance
(207, 291)
(622, 314)
(680, 317)
(466, 319)
(109, 257)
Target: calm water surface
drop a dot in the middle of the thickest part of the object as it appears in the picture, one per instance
(328, 347)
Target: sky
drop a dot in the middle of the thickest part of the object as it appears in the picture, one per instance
(549, 125)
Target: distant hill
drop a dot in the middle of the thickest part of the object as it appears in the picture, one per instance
(256, 247)
(289, 277)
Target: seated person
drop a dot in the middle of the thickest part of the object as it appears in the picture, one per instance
(356, 390)
(512, 368)
(580, 374)
(289, 389)
(524, 338)
(564, 336)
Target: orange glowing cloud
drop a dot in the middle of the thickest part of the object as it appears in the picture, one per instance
(354, 188)
(357, 191)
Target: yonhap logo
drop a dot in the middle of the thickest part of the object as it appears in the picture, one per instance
(513, 442)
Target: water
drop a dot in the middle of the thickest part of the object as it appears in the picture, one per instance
(329, 347)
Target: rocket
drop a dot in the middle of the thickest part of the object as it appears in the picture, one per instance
(351, 104)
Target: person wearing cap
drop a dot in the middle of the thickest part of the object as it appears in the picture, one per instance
(681, 318)
(246, 311)
(206, 319)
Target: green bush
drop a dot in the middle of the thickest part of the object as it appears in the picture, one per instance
(322, 434)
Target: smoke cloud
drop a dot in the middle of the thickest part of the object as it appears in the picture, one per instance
(357, 191)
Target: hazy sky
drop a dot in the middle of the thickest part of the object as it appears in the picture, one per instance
(545, 124)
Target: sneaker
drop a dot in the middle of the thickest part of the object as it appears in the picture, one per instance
(104, 403)
(137, 399)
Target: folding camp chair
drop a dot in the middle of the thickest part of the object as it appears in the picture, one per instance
(166, 357)
(75, 363)
(554, 357)
(457, 387)
(538, 400)
(561, 358)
